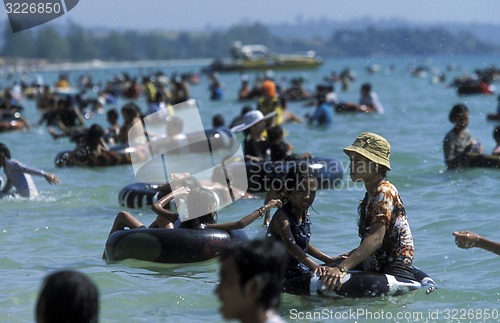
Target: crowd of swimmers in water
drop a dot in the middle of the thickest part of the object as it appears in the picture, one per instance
(252, 274)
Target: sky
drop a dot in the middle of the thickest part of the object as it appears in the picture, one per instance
(202, 14)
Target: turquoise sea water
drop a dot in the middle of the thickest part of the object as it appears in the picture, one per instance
(66, 227)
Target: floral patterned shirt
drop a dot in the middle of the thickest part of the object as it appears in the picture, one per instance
(386, 207)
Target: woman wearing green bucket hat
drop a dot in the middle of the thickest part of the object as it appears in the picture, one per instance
(386, 240)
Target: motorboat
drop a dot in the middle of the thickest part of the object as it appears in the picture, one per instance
(259, 57)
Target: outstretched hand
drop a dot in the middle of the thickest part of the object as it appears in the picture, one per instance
(181, 192)
(51, 178)
(465, 239)
(272, 203)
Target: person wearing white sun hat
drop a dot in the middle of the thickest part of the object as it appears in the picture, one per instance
(252, 126)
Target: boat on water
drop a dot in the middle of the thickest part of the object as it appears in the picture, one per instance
(259, 57)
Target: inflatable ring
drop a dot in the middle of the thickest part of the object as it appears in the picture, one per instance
(357, 284)
(348, 107)
(197, 142)
(483, 161)
(12, 123)
(139, 195)
(473, 87)
(115, 156)
(493, 116)
(266, 175)
(170, 246)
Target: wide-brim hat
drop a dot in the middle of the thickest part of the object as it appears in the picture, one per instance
(250, 118)
(372, 146)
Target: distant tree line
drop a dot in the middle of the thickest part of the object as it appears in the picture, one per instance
(76, 43)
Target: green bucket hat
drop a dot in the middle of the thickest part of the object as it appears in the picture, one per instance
(372, 146)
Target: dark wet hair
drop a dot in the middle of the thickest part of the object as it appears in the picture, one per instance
(218, 120)
(131, 109)
(200, 201)
(366, 87)
(175, 125)
(362, 215)
(295, 177)
(95, 131)
(246, 109)
(112, 113)
(265, 259)
(68, 296)
(274, 133)
(4, 150)
(458, 109)
(94, 135)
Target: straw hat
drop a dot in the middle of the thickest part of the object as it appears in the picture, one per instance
(372, 146)
(250, 118)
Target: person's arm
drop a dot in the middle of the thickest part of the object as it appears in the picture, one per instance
(467, 239)
(247, 220)
(102, 143)
(282, 226)
(123, 220)
(369, 245)
(294, 118)
(333, 276)
(271, 194)
(316, 253)
(122, 136)
(376, 104)
(25, 121)
(297, 119)
(159, 206)
(51, 178)
(65, 129)
(80, 117)
(452, 157)
(448, 148)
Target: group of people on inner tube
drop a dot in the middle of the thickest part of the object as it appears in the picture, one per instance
(386, 239)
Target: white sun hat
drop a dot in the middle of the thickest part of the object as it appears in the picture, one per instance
(250, 118)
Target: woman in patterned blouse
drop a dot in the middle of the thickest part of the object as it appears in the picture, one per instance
(386, 240)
